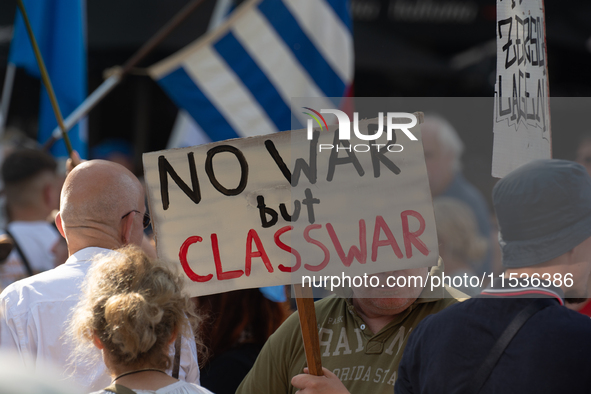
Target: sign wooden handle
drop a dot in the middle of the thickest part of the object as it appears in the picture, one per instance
(307, 313)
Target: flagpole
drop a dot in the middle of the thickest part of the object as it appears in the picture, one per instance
(110, 83)
(84, 108)
(45, 78)
(6, 95)
(219, 13)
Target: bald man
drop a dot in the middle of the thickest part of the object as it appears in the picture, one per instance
(102, 208)
(102, 205)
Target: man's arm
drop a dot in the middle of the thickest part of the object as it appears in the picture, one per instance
(271, 371)
(266, 375)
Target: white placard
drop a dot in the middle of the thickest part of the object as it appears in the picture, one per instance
(522, 109)
(217, 216)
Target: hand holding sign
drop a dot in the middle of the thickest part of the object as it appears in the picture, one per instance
(329, 383)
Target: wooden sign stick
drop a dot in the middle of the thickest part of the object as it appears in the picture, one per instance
(307, 313)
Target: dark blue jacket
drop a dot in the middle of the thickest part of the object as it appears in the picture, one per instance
(550, 354)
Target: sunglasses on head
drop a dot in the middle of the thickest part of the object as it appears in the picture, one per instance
(146, 220)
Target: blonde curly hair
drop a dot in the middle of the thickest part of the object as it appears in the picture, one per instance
(134, 305)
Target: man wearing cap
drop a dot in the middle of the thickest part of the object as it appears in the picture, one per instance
(517, 336)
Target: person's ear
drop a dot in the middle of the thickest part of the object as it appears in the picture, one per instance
(97, 342)
(59, 224)
(175, 332)
(127, 227)
(47, 194)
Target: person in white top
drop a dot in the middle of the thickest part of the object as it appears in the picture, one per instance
(132, 309)
(102, 208)
(32, 188)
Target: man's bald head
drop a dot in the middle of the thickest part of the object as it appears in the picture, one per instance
(96, 194)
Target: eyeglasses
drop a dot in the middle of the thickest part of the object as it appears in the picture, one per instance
(146, 219)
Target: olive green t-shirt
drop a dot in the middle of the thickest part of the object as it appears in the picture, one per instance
(365, 362)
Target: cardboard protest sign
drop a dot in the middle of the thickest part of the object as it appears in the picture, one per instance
(522, 109)
(267, 210)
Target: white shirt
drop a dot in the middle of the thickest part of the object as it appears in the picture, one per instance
(179, 387)
(36, 240)
(34, 314)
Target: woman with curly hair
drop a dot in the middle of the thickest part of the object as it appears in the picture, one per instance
(133, 310)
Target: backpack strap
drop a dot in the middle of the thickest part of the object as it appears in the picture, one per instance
(21, 253)
(499, 347)
(119, 389)
(177, 357)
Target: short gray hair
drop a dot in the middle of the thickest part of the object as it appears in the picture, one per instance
(449, 138)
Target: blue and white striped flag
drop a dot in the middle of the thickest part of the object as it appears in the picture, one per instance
(238, 80)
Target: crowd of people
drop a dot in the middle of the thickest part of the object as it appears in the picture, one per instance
(85, 295)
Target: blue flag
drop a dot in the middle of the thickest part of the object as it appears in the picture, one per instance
(59, 27)
(238, 81)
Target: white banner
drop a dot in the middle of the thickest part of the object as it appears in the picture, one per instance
(227, 217)
(522, 109)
